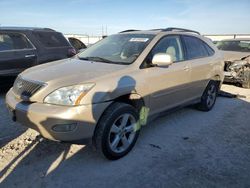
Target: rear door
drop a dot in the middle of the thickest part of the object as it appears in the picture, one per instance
(16, 53)
(199, 55)
(52, 46)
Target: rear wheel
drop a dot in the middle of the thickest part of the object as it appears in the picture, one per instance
(209, 96)
(117, 131)
(246, 81)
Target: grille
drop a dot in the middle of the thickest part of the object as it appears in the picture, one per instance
(26, 88)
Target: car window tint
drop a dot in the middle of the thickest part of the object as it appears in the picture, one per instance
(51, 39)
(209, 49)
(14, 41)
(6, 43)
(170, 45)
(77, 44)
(195, 47)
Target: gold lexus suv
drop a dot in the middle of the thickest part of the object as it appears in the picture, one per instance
(107, 92)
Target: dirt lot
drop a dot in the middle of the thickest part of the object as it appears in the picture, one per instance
(187, 148)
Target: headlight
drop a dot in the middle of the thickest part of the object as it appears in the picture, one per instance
(70, 96)
(238, 64)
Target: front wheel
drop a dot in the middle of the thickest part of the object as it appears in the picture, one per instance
(117, 131)
(209, 96)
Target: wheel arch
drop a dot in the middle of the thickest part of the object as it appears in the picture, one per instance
(133, 99)
(217, 78)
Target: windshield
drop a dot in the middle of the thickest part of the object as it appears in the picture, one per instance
(237, 45)
(117, 49)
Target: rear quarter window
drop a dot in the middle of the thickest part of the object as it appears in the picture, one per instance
(209, 49)
(196, 48)
(51, 39)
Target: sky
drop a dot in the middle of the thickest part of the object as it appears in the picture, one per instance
(92, 17)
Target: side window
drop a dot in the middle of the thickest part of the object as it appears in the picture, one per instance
(170, 45)
(6, 43)
(51, 39)
(195, 47)
(13, 41)
(77, 44)
(209, 49)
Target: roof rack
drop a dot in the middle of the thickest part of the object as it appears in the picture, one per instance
(129, 30)
(180, 30)
(166, 29)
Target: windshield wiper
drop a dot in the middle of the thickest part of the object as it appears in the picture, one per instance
(100, 59)
(96, 59)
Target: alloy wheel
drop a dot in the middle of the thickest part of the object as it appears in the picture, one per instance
(122, 133)
(211, 95)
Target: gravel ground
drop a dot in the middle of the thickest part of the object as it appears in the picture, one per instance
(187, 148)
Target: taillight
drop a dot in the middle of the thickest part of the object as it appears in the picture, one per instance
(71, 52)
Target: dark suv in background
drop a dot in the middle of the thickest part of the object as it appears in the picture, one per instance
(21, 48)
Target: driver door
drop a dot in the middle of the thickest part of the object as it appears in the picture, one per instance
(168, 86)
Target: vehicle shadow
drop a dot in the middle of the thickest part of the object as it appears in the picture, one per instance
(9, 129)
(39, 149)
(6, 83)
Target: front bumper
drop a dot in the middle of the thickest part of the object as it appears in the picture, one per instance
(44, 117)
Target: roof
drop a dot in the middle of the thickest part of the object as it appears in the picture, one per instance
(26, 28)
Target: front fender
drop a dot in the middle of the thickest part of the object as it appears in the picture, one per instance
(110, 95)
(106, 92)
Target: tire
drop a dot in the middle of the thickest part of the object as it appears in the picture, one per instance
(117, 131)
(209, 96)
(246, 81)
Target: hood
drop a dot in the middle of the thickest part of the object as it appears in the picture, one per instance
(232, 56)
(70, 71)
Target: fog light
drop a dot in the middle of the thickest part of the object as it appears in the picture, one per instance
(64, 127)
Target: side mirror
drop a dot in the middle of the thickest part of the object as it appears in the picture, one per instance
(71, 52)
(162, 60)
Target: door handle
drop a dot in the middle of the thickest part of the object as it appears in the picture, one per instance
(186, 68)
(30, 55)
